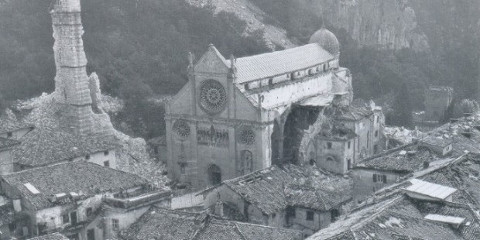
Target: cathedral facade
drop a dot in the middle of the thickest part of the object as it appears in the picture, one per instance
(230, 118)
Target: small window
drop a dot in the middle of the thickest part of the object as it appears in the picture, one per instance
(270, 82)
(310, 71)
(309, 215)
(155, 150)
(376, 133)
(329, 145)
(115, 224)
(89, 212)
(330, 159)
(312, 162)
(106, 153)
(247, 86)
(66, 218)
(289, 76)
(376, 119)
(274, 216)
(106, 163)
(87, 157)
(349, 145)
(9, 134)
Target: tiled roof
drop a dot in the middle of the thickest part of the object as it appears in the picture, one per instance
(280, 62)
(44, 146)
(172, 225)
(275, 188)
(78, 177)
(405, 159)
(464, 176)
(6, 143)
(53, 236)
(402, 218)
(8, 124)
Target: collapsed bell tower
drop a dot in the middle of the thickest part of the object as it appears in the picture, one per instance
(74, 89)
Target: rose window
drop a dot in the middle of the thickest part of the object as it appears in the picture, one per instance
(213, 97)
(181, 128)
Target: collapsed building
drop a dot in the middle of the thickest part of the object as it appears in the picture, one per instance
(239, 115)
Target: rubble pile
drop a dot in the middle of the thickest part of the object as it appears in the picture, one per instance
(132, 156)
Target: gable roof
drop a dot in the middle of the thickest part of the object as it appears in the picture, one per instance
(280, 62)
(77, 177)
(275, 188)
(45, 146)
(172, 225)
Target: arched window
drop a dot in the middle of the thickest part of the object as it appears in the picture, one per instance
(310, 71)
(312, 162)
(246, 162)
(214, 174)
(330, 159)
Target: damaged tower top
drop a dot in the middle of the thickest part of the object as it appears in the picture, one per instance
(73, 87)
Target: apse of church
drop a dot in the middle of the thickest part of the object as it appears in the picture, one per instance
(230, 118)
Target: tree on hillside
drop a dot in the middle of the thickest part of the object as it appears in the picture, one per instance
(402, 109)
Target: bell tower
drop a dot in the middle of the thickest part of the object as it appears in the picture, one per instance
(71, 81)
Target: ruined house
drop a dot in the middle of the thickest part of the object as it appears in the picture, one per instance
(165, 224)
(66, 197)
(403, 217)
(301, 198)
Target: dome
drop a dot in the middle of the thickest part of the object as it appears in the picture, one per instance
(327, 40)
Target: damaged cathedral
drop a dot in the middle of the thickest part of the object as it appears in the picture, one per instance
(239, 115)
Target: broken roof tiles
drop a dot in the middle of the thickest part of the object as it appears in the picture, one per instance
(40, 185)
(403, 218)
(172, 225)
(273, 189)
(44, 146)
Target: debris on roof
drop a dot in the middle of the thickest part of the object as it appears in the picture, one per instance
(172, 225)
(272, 189)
